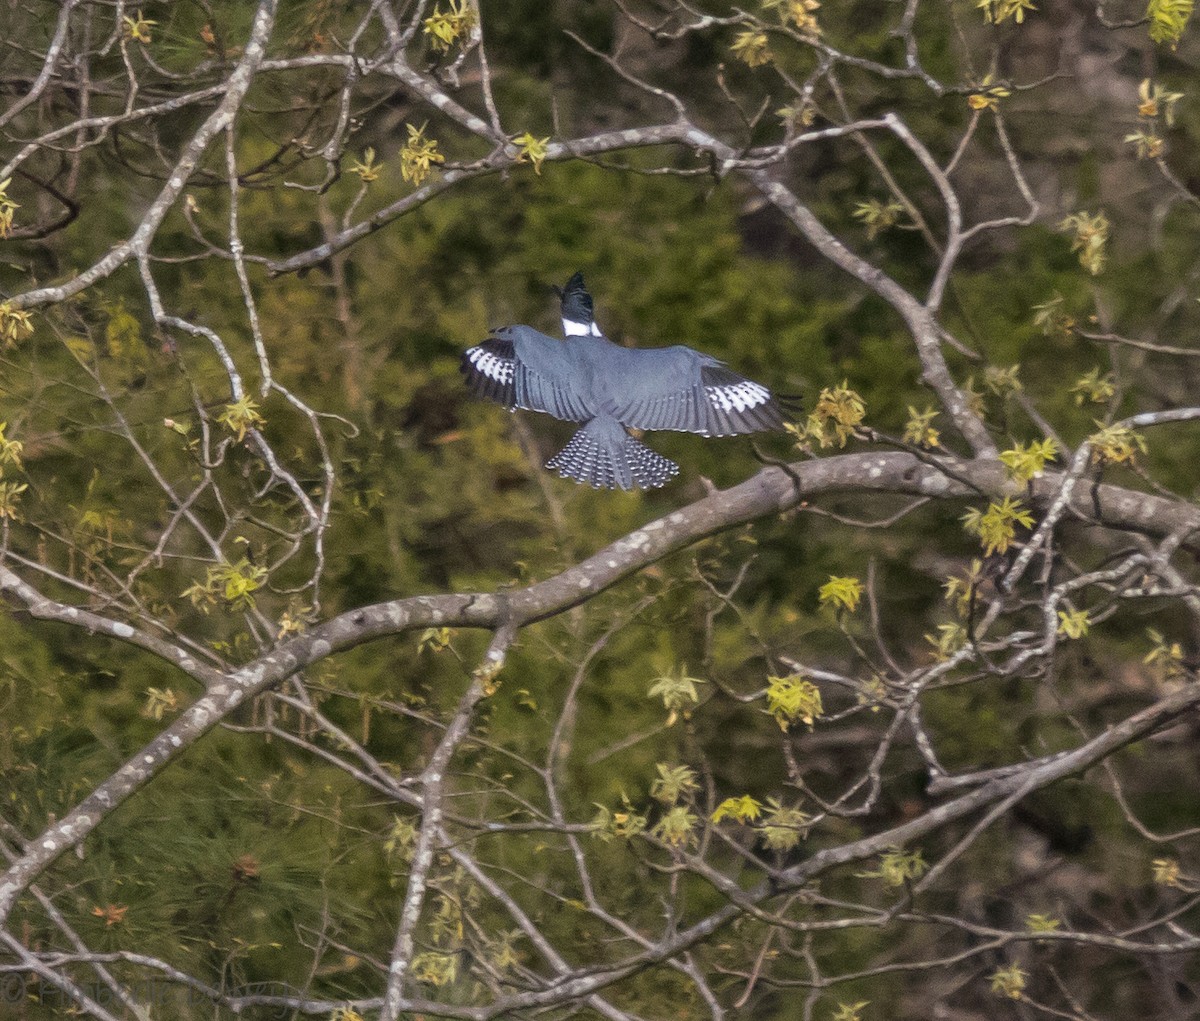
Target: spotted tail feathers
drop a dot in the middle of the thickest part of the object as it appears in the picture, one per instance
(604, 456)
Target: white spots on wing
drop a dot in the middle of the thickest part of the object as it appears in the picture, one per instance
(492, 366)
(738, 396)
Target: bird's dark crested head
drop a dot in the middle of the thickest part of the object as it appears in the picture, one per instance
(576, 302)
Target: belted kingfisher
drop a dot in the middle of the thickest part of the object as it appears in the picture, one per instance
(589, 379)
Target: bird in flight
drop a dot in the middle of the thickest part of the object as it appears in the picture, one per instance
(587, 378)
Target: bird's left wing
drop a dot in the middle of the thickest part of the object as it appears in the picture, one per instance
(522, 368)
(490, 371)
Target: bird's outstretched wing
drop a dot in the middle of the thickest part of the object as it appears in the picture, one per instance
(521, 368)
(680, 389)
(737, 404)
(490, 371)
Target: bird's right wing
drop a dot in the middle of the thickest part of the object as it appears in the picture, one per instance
(680, 389)
(738, 405)
(521, 368)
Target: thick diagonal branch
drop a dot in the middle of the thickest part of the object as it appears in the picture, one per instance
(771, 491)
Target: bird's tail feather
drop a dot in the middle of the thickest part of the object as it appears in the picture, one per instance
(603, 455)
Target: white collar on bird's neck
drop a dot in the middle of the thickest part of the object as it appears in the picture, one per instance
(573, 329)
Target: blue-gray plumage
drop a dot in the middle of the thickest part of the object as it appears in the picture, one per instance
(587, 378)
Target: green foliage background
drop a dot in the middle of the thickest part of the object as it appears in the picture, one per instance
(438, 493)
